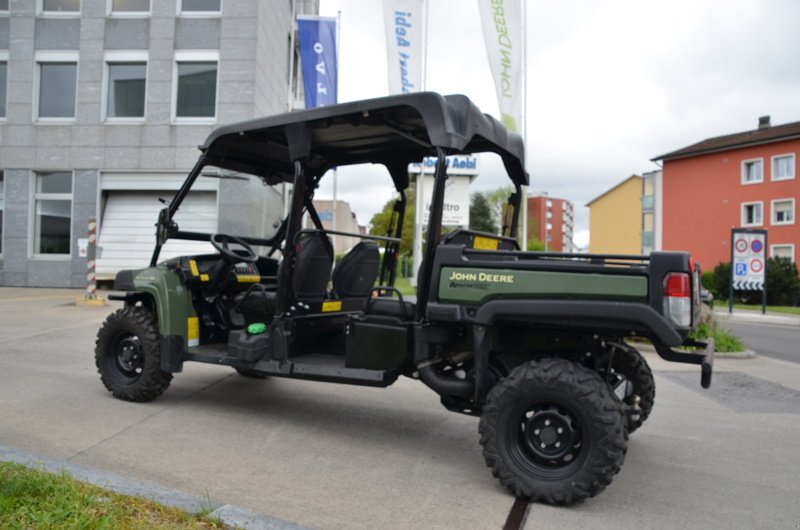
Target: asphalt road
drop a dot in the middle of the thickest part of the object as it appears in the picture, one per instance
(332, 457)
(771, 340)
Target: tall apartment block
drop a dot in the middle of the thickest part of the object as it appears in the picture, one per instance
(551, 221)
(102, 106)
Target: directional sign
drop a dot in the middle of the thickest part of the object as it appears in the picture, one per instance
(748, 258)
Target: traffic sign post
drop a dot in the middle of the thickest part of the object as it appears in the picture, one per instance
(748, 264)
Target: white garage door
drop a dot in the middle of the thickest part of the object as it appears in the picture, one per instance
(127, 229)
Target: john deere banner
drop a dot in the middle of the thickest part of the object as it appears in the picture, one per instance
(502, 32)
(317, 38)
(404, 20)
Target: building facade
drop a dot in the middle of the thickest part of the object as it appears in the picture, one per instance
(616, 219)
(551, 221)
(341, 219)
(742, 180)
(102, 105)
(652, 208)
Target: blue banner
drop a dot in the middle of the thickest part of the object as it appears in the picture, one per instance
(317, 37)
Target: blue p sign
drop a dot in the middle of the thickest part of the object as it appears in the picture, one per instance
(741, 269)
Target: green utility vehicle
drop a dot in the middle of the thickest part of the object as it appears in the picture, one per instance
(533, 343)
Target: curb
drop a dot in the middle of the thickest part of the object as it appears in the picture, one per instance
(230, 515)
(746, 354)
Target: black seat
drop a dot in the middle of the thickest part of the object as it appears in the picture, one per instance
(312, 268)
(354, 276)
(312, 271)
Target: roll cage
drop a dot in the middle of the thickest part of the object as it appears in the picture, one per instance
(298, 148)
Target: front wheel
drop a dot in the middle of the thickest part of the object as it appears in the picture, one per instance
(128, 356)
(552, 431)
(642, 389)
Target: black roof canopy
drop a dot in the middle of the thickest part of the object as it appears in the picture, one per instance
(394, 131)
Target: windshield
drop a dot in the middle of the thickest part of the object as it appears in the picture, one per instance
(248, 207)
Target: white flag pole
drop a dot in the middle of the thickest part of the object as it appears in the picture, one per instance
(419, 198)
(524, 198)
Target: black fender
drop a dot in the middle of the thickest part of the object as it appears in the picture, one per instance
(583, 314)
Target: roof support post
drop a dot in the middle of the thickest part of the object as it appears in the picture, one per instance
(286, 295)
(434, 232)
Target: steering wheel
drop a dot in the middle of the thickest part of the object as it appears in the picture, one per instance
(221, 242)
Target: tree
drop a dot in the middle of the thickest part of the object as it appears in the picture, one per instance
(481, 217)
(783, 284)
(498, 201)
(379, 224)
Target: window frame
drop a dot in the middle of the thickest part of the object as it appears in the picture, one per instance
(772, 249)
(40, 11)
(2, 212)
(66, 57)
(772, 172)
(193, 56)
(128, 14)
(772, 217)
(5, 13)
(744, 173)
(743, 216)
(34, 196)
(200, 14)
(117, 57)
(4, 59)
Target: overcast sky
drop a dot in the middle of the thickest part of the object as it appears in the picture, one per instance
(611, 84)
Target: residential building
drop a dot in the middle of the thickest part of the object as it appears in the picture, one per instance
(615, 219)
(343, 220)
(742, 180)
(102, 105)
(652, 209)
(551, 221)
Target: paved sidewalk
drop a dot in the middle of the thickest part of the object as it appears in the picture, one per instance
(330, 456)
(745, 315)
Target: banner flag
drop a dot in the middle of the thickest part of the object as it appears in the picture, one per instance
(317, 38)
(502, 33)
(404, 21)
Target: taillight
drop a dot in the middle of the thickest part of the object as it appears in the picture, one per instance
(678, 298)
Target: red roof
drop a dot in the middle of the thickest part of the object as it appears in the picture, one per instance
(765, 135)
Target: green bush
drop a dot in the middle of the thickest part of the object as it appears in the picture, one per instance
(707, 280)
(724, 341)
(783, 284)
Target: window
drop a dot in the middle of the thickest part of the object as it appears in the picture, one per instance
(129, 6)
(61, 6)
(200, 6)
(3, 6)
(57, 85)
(125, 86)
(783, 212)
(782, 251)
(3, 84)
(52, 213)
(752, 171)
(752, 214)
(783, 167)
(2, 207)
(196, 86)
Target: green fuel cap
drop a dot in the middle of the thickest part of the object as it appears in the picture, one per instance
(256, 328)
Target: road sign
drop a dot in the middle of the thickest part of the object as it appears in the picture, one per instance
(748, 263)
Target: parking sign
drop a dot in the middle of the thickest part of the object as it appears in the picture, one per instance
(748, 260)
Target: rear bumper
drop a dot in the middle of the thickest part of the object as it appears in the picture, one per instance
(704, 356)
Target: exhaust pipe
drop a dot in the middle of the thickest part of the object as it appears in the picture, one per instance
(444, 385)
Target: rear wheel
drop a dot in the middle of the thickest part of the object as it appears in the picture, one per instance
(128, 356)
(632, 365)
(552, 431)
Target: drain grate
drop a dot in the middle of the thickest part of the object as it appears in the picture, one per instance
(742, 393)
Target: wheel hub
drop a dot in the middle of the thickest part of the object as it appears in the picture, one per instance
(129, 356)
(550, 434)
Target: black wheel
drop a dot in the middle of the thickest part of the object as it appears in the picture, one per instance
(253, 374)
(128, 357)
(552, 431)
(632, 365)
